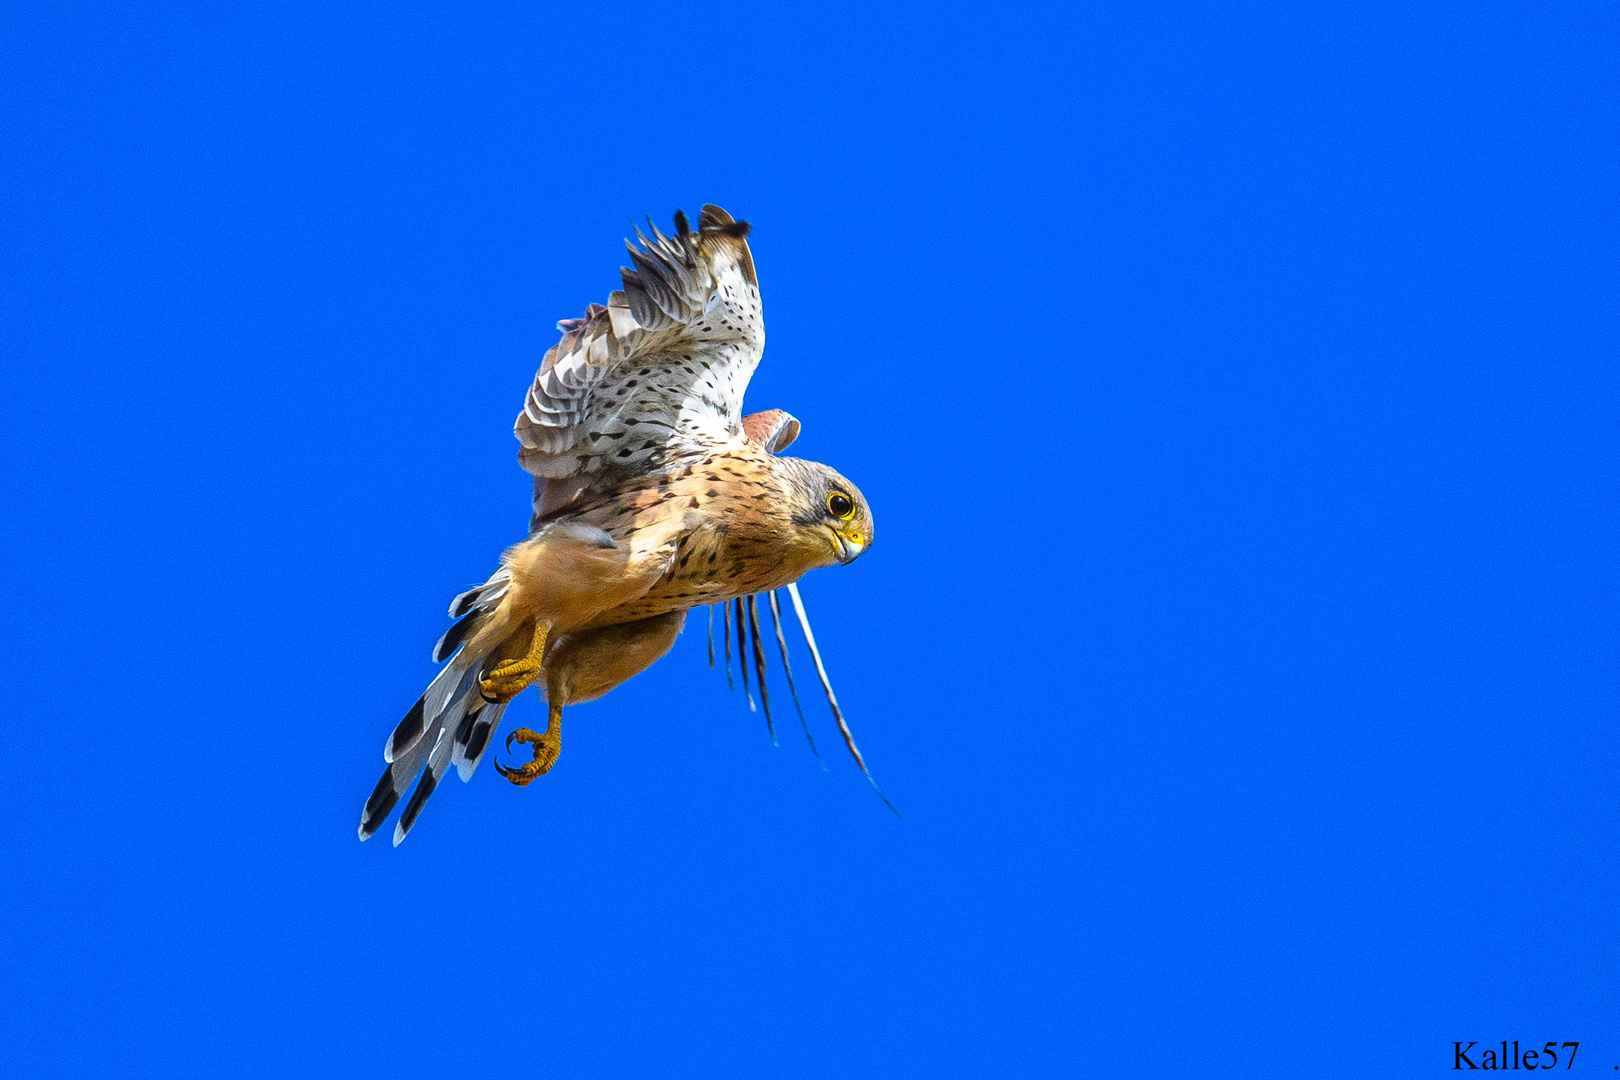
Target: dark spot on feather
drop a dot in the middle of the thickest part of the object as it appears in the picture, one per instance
(478, 739)
(376, 817)
(424, 788)
(410, 727)
(451, 641)
(464, 729)
(383, 798)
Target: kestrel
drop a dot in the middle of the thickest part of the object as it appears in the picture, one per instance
(653, 494)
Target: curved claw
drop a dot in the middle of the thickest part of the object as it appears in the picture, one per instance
(514, 775)
(508, 679)
(546, 747)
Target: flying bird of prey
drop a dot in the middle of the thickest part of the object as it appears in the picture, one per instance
(653, 495)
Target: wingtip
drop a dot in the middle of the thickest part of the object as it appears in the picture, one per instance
(892, 809)
(787, 671)
(832, 700)
(714, 219)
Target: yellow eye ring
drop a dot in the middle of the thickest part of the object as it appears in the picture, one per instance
(840, 506)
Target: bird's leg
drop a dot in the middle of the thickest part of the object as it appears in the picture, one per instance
(510, 678)
(546, 749)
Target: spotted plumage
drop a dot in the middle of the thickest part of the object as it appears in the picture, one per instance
(653, 495)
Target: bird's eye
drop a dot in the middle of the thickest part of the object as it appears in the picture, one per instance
(840, 506)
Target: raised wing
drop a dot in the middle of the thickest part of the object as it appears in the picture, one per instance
(657, 374)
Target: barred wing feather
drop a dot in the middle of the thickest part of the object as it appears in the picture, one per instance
(655, 375)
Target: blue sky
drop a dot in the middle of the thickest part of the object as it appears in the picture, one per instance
(1234, 387)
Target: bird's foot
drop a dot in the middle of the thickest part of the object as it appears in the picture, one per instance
(508, 679)
(546, 748)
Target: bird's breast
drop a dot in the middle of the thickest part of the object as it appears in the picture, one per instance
(738, 538)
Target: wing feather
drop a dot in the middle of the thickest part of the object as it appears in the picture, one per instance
(658, 373)
(787, 670)
(826, 685)
(759, 666)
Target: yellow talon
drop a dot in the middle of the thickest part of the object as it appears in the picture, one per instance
(510, 678)
(546, 749)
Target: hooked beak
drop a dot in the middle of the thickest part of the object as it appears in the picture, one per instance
(848, 545)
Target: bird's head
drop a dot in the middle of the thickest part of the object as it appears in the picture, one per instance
(830, 516)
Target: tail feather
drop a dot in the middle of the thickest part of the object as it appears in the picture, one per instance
(461, 732)
(431, 775)
(395, 779)
(474, 736)
(451, 685)
(453, 637)
(483, 596)
(452, 729)
(419, 722)
(407, 732)
(450, 722)
(381, 803)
